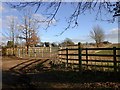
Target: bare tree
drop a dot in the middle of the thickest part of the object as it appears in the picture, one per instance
(97, 34)
(28, 29)
(100, 7)
(12, 26)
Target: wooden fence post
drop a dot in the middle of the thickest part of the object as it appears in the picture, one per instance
(114, 58)
(42, 52)
(67, 56)
(80, 56)
(35, 52)
(50, 51)
(87, 57)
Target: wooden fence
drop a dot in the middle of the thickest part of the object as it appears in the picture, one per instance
(105, 59)
(33, 52)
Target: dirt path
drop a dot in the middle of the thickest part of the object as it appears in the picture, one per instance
(53, 79)
(9, 62)
(13, 75)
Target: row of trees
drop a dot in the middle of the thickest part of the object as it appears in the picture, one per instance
(26, 29)
(97, 34)
(66, 42)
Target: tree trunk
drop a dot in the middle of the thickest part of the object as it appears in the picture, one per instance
(27, 48)
(97, 44)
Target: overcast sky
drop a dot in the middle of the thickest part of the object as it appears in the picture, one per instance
(77, 34)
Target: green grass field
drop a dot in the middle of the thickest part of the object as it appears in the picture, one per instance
(110, 52)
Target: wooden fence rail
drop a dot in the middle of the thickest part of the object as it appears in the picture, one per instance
(34, 52)
(110, 59)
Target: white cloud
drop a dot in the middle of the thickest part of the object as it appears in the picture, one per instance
(113, 34)
(3, 37)
(1, 8)
(83, 39)
(43, 19)
(7, 10)
(11, 17)
(114, 31)
(46, 39)
(8, 20)
(38, 16)
(0, 23)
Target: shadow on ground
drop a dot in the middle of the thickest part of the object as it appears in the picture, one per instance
(59, 79)
(40, 77)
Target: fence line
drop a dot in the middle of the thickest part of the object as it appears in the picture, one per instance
(104, 60)
(34, 52)
(77, 56)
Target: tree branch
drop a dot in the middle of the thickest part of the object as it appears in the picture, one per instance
(81, 8)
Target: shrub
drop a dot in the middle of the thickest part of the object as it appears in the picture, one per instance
(4, 51)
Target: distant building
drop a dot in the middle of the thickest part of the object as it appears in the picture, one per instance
(106, 42)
